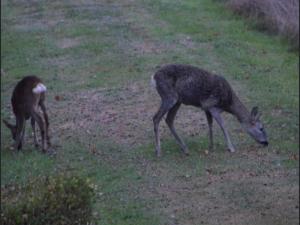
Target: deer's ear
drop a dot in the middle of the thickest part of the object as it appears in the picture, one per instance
(8, 124)
(254, 113)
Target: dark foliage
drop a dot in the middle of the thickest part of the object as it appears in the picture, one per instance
(60, 200)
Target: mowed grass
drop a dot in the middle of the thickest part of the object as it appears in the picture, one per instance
(78, 47)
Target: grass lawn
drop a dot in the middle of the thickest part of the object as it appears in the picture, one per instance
(96, 59)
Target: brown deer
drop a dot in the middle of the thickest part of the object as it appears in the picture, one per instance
(184, 84)
(27, 97)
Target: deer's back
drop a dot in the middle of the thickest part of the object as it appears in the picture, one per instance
(23, 98)
(195, 86)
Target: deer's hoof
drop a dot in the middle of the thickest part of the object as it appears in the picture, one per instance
(51, 152)
(187, 153)
(231, 150)
(158, 153)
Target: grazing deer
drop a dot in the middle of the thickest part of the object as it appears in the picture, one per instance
(184, 84)
(27, 96)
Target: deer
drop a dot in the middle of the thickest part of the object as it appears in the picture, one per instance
(27, 97)
(179, 84)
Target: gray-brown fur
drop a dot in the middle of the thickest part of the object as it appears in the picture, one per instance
(25, 105)
(184, 84)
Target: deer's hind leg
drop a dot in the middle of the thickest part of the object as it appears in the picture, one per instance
(40, 122)
(168, 99)
(170, 122)
(19, 132)
(34, 132)
(46, 122)
(165, 106)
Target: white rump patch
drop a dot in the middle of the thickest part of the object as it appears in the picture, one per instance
(153, 82)
(39, 88)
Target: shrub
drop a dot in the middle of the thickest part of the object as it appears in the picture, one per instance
(60, 200)
(278, 16)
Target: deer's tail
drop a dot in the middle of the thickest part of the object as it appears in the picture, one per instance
(39, 88)
(153, 81)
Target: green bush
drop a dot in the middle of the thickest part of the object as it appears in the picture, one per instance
(60, 200)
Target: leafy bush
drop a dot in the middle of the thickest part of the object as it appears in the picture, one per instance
(59, 200)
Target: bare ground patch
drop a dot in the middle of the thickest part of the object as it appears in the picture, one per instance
(121, 115)
(68, 42)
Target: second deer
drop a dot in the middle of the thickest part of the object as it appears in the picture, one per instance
(27, 97)
(184, 84)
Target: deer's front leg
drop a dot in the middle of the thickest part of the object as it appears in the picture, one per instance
(216, 115)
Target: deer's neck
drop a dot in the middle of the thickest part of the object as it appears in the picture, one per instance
(239, 110)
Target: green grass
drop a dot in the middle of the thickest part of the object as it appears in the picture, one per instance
(19, 167)
(76, 47)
